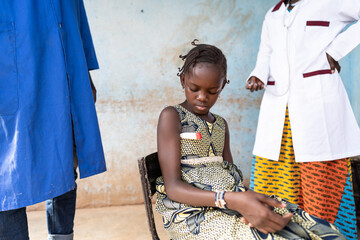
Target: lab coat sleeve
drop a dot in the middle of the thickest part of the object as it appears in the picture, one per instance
(88, 45)
(262, 67)
(346, 41)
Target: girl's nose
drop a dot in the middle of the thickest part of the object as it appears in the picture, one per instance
(202, 97)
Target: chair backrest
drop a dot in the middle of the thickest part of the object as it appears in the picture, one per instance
(149, 171)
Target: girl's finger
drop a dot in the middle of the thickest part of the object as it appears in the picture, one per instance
(243, 220)
(278, 222)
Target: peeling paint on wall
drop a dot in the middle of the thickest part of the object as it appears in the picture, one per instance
(138, 44)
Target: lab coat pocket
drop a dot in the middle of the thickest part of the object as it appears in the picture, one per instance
(270, 82)
(322, 85)
(316, 34)
(318, 23)
(8, 69)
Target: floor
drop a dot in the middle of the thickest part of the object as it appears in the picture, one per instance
(124, 222)
(113, 223)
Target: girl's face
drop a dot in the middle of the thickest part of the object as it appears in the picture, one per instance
(202, 87)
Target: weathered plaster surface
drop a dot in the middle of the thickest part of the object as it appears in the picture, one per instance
(138, 44)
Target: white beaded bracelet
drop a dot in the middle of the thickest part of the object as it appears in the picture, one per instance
(219, 199)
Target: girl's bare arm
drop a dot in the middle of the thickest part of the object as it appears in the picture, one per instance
(253, 206)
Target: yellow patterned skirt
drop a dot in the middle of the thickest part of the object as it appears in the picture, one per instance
(323, 189)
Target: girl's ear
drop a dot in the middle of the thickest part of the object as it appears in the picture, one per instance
(182, 80)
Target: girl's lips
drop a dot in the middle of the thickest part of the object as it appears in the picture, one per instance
(202, 108)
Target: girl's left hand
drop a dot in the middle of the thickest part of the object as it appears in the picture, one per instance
(333, 64)
(256, 209)
(245, 221)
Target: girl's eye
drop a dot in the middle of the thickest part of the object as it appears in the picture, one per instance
(193, 89)
(214, 92)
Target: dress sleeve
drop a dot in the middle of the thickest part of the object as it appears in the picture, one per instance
(262, 67)
(88, 45)
(349, 39)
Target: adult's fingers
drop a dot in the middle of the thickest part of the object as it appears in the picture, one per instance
(261, 84)
(253, 85)
(250, 84)
(331, 62)
(257, 85)
(337, 66)
(332, 66)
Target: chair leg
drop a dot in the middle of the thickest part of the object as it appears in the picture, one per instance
(147, 199)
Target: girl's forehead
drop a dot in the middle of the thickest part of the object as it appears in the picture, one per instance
(202, 67)
(206, 73)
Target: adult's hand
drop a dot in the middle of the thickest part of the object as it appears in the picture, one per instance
(256, 210)
(254, 84)
(333, 64)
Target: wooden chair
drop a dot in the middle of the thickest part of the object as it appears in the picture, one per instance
(149, 171)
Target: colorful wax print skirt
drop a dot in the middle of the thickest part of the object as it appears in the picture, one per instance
(212, 174)
(323, 189)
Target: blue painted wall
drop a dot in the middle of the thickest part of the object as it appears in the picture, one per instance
(138, 44)
(351, 76)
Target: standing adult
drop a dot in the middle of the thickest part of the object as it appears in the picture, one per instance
(307, 130)
(46, 107)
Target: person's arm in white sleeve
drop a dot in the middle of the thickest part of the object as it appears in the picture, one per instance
(346, 41)
(262, 68)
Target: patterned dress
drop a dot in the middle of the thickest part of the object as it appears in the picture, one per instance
(203, 167)
(323, 189)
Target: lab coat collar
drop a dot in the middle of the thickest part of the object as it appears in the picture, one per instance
(278, 6)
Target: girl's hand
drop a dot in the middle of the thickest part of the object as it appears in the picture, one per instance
(254, 84)
(243, 220)
(333, 64)
(255, 208)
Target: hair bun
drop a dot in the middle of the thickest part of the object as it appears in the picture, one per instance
(194, 42)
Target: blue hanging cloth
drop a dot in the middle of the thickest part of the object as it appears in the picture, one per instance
(46, 100)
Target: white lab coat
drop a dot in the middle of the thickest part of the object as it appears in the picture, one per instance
(292, 63)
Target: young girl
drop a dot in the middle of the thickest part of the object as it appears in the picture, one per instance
(201, 194)
(307, 130)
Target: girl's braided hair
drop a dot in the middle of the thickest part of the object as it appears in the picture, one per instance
(203, 53)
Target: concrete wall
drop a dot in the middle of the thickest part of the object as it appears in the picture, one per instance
(138, 44)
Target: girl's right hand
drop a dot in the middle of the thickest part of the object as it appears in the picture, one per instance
(255, 208)
(254, 84)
